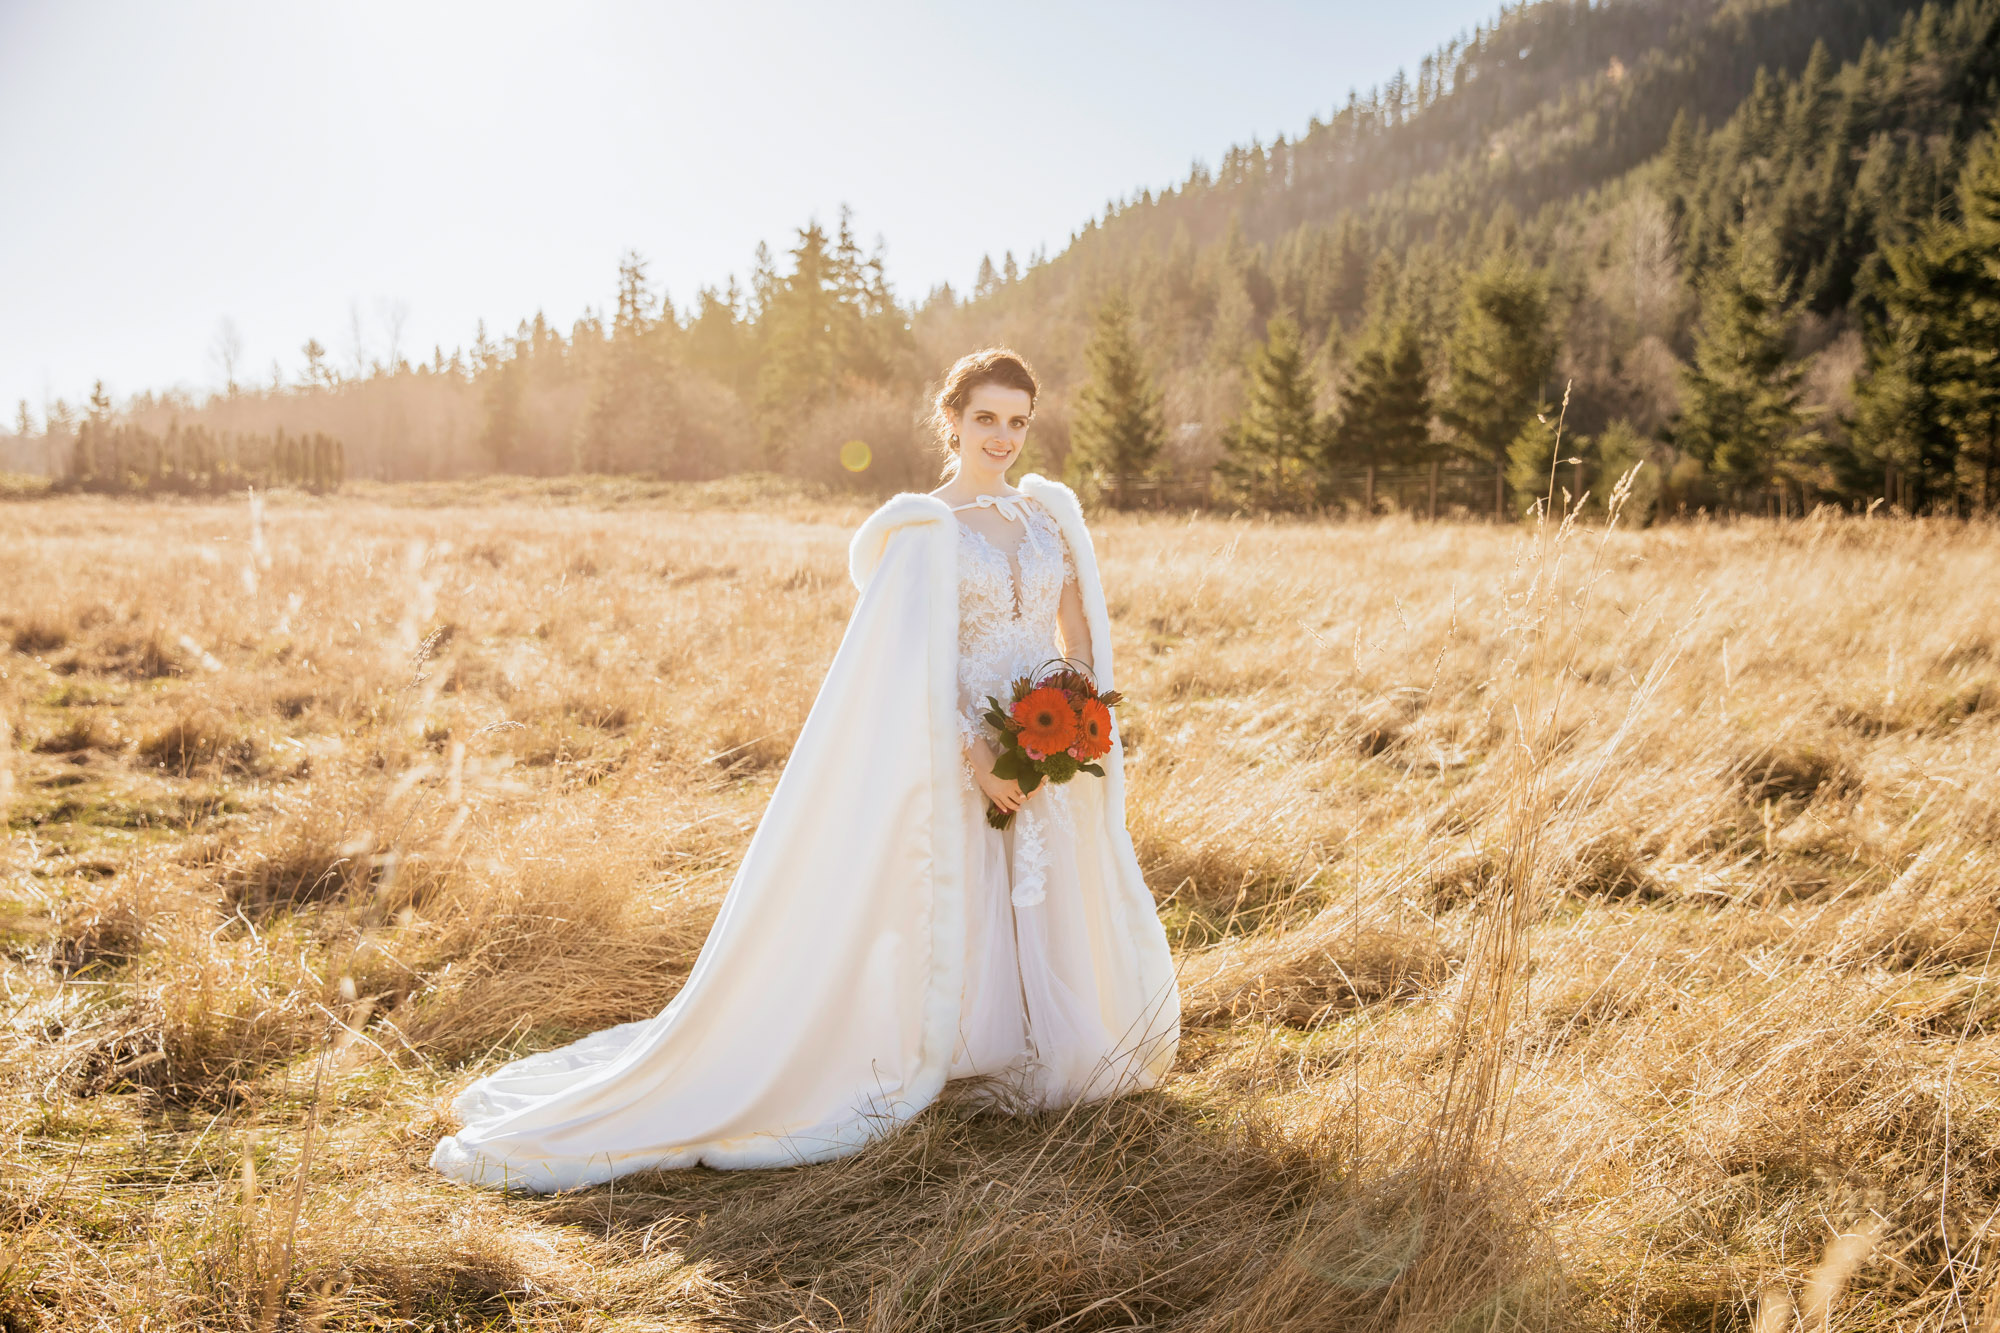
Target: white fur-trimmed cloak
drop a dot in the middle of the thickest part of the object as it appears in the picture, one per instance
(824, 1007)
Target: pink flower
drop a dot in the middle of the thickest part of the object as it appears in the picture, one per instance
(1033, 753)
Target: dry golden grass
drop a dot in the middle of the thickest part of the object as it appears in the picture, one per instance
(1577, 931)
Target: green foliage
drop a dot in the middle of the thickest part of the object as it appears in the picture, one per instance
(1501, 355)
(1617, 451)
(1385, 408)
(1741, 415)
(119, 458)
(1928, 420)
(830, 324)
(1588, 469)
(1273, 447)
(1534, 472)
(632, 424)
(1117, 433)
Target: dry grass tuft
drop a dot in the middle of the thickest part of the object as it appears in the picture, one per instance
(199, 737)
(77, 732)
(38, 632)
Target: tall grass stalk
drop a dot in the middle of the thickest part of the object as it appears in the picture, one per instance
(1461, 1157)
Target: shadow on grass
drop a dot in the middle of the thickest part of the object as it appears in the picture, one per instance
(1153, 1210)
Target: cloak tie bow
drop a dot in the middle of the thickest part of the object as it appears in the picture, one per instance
(1009, 506)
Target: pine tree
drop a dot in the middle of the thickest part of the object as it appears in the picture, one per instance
(1972, 389)
(800, 358)
(1272, 446)
(1117, 433)
(1931, 397)
(503, 387)
(631, 424)
(1740, 412)
(1385, 410)
(718, 341)
(1500, 354)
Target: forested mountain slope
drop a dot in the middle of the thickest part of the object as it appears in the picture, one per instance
(1688, 214)
(1608, 204)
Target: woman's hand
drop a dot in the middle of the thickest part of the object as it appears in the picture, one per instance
(1005, 793)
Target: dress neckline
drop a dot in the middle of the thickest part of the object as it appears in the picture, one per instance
(1010, 559)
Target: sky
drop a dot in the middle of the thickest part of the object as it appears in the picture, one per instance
(405, 170)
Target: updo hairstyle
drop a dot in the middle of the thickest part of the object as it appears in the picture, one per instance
(990, 365)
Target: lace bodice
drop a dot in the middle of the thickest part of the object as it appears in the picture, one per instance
(1007, 628)
(998, 617)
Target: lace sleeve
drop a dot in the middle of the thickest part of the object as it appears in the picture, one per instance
(1069, 610)
(970, 728)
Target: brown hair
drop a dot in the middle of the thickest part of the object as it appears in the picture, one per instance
(990, 365)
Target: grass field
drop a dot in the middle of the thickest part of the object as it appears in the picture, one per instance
(1579, 931)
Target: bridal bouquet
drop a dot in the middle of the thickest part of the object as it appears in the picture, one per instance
(1055, 728)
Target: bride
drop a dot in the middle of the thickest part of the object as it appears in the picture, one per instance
(880, 937)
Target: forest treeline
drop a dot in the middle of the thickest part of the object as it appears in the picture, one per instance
(109, 456)
(1753, 246)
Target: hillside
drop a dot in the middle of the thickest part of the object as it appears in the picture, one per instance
(1615, 150)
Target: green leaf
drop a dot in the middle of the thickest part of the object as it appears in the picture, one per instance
(1030, 779)
(1095, 770)
(1007, 765)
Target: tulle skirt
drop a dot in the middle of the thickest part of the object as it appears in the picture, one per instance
(1030, 1026)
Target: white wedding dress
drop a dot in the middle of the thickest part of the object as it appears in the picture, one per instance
(1029, 1020)
(879, 937)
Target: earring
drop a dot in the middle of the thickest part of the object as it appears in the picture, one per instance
(954, 441)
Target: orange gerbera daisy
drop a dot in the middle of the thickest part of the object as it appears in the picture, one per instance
(1048, 723)
(1093, 739)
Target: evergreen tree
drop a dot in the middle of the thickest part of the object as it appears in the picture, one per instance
(1273, 444)
(1385, 409)
(1972, 385)
(1931, 398)
(503, 390)
(797, 375)
(829, 327)
(1117, 432)
(1740, 412)
(1500, 354)
(631, 424)
(718, 339)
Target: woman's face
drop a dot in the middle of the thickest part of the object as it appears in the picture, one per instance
(991, 430)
